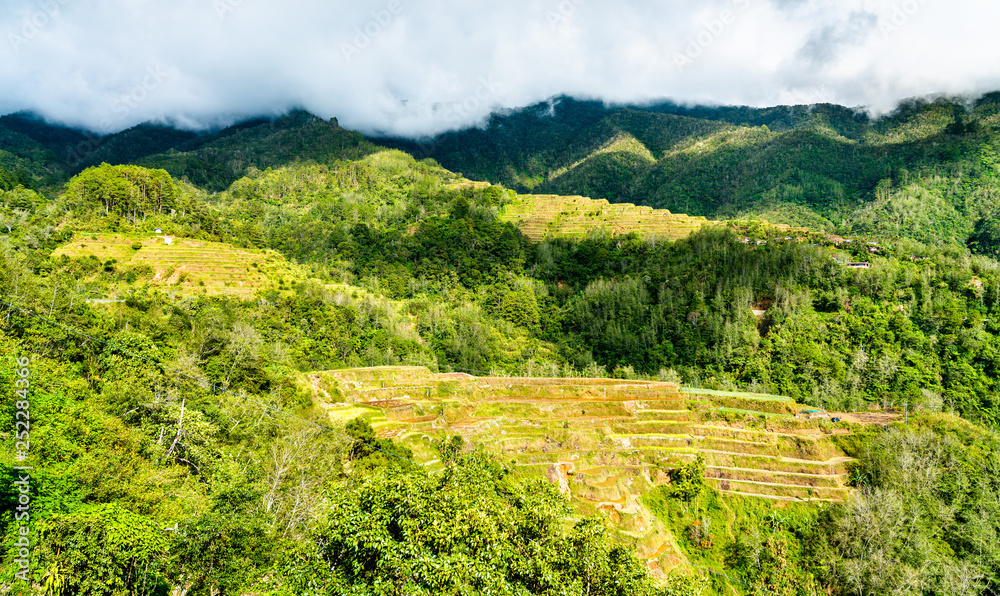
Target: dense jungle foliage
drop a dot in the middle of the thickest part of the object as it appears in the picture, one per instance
(177, 468)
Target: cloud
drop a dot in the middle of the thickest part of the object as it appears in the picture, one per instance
(413, 67)
(826, 44)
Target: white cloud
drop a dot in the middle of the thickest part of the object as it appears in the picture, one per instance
(416, 67)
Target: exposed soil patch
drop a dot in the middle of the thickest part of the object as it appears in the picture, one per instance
(877, 418)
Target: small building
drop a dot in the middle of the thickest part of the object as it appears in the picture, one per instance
(814, 414)
(157, 231)
(860, 265)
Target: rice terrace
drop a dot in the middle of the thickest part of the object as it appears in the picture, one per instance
(607, 443)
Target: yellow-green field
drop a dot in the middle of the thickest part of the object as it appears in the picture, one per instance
(185, 265)
(551, 216)
(605, 442)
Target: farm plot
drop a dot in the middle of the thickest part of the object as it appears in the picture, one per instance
(183, 264)
(551, 216)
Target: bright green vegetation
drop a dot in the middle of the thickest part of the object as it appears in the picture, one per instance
(921, 521)
(470, 529)
(146, 480)
(302, 252)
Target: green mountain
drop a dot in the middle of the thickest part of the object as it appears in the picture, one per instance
(217, 160)
(928, 171)
(49, 154)
(280, 358)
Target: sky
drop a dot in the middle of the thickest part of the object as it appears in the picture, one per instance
(419, 67)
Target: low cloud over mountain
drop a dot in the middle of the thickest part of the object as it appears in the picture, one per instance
(403, 67)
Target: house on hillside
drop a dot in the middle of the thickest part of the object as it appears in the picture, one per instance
(860, 265)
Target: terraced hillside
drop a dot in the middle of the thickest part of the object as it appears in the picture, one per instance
(551, 216)
(604, 442)
(183, 264)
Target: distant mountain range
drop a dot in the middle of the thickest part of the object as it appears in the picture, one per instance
(928, 171)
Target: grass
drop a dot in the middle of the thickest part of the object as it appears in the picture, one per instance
(186, 265)
(727, 516)
(551, 216)
(755, 396)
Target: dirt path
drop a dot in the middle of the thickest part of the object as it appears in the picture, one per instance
(765, 471)
(777, 498)
(779, 484)
(877, 418)
(791, 460)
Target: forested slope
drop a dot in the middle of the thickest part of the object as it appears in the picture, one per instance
(927, 171)
(178, 442)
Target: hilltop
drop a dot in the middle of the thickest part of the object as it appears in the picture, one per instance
(50, 154)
